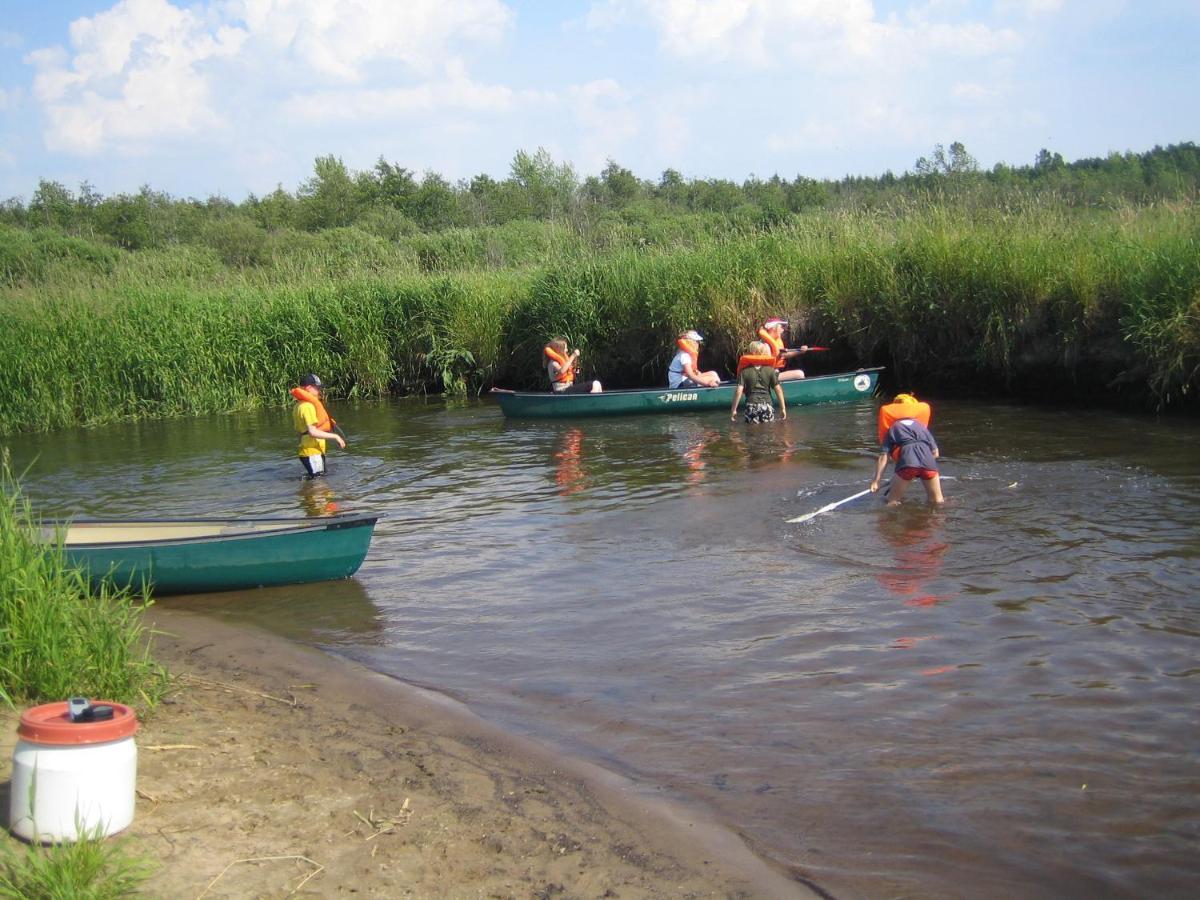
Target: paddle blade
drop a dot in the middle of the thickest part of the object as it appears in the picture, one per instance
(826, 508)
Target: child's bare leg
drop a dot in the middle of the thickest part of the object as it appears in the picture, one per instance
(895, 491)
(933, 490)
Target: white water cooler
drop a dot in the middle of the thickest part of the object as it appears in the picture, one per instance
(74, 771)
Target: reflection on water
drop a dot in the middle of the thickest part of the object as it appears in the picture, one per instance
(897, 701)
(570, 475)
(317, 498)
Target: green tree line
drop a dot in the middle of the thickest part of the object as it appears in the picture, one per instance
(391, 202)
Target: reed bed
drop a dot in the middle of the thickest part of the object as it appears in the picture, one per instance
(58, 638)
(1025, 295)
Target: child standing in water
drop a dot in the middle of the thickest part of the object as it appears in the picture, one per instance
(915, 452)
(757, 379)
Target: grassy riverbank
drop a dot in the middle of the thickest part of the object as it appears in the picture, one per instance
(1012, 296)
(59, 639)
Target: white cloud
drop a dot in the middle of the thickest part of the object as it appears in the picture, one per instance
(148, 70)
(339, 39)
(812, 34)
(454, 91)
(1029, 7)
(136, 73)
(972, 92)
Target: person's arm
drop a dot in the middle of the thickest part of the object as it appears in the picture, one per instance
(880, 465)
(314, 431)
(737, 398)
(782, 402)
(691, 371)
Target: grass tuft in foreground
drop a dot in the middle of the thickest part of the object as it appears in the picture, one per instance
(58, 638)
(91, 869)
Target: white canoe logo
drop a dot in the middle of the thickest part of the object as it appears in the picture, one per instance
(862, 382)
(676, 398)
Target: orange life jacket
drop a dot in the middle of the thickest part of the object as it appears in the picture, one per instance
(303, 395)
(566, 374)
(747, 360)
(776, 344)
(905, 406)
(692, 349)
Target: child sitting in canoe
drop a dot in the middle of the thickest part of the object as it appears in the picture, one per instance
(757, 378)
(561, 367)
(772, 335)
(684, 370)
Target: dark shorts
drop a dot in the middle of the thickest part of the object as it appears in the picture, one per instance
(578, 387)
(759, 412)
(686, 382)
(908, 473)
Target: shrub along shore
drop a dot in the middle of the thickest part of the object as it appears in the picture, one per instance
(1028, 297)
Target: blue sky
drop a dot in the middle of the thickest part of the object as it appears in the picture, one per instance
(236, 96)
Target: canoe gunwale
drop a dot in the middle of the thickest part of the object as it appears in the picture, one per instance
(301, 525)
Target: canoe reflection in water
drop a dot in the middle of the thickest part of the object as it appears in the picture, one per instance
(569, 473)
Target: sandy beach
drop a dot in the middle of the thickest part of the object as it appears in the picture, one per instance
(276, 769)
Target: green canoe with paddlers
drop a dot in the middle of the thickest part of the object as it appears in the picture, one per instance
(803, 392)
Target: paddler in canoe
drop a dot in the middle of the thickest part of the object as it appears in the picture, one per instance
(772, 335)
(684, 370)
(757, 377)
(561, 369)
(905, 438)
(314, 426)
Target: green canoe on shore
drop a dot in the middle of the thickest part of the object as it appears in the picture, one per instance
(194, 556)
(546, 405)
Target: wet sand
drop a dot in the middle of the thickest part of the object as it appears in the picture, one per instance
(274, 767)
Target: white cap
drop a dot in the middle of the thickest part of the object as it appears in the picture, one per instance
(693, 336)
(771, 323)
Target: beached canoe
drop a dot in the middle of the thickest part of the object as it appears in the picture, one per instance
(546, 405)
(192, 556)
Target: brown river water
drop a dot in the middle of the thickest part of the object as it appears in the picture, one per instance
(998, 698)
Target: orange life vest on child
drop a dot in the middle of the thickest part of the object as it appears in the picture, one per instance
(747, 360)
(302, 395)
(692, 349)
(905, 406)
(776, 344)
(566, 375)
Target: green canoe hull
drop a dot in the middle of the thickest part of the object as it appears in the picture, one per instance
(545, 405)
(243, 555)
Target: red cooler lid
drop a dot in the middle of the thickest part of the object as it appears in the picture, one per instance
(51, 723)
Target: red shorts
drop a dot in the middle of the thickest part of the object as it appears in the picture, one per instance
(908, 473)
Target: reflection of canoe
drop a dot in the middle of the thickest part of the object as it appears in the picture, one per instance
(180, 556)
(546, 405)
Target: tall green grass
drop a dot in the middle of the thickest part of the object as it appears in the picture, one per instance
(57, 637)
(1022, 294)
